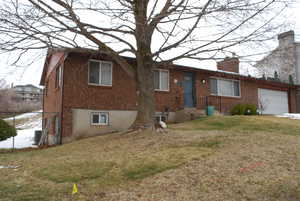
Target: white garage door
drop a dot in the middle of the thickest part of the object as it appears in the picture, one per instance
(273, 101)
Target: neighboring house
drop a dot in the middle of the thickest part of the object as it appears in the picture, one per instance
(29, 93)
(285, 60)
(91, 94)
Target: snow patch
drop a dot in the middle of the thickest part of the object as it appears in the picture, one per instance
(25, 115)
(25, 131)
(290, 115)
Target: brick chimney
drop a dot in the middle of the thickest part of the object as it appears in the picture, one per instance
(230, 64)
(286, 39)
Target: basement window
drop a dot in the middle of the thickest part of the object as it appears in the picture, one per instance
(99, 118)
(160, 118)
(100, 73)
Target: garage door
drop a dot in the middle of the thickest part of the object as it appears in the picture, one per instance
(273, 101)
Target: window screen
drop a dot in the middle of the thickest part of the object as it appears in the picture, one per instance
(223, 87)
(161, 80)
(213, 86)
(105, 73)
(99, 118)
(94, 72)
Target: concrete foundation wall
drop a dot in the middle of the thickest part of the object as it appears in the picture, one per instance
(119, 120)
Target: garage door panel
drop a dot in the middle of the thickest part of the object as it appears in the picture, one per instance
(273, 101)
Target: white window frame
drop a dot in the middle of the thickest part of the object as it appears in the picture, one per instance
(161, 70)
(111, 73)
(99, 114)
(160, 116)
(232, 80)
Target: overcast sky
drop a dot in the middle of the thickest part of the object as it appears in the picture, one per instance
(31, 73)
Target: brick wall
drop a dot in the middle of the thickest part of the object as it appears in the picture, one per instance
(221, 103)
(51, 100)
(229, 64)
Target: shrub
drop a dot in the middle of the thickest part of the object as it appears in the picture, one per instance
(244, 109)
(250, 109)
(6, 131)
(238, 109)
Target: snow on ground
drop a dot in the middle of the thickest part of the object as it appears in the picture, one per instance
(290, 115)
(25, 115)
(25, 131)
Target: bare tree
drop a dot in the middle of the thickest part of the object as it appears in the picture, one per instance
(6, 97)
(156, 32)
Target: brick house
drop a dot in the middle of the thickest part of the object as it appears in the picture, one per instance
(90, 94)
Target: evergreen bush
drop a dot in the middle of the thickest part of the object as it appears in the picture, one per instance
(6, 131)
(244, 109)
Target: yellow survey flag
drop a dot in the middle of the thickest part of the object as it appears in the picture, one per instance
(75, 189)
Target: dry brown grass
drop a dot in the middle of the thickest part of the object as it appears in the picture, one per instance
(188, 163)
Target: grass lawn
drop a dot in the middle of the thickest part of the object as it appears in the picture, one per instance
(215, 158)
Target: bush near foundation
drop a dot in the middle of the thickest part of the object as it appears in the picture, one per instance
(244, 109)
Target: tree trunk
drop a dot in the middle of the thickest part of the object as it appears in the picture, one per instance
(144, 70)
(145, 94)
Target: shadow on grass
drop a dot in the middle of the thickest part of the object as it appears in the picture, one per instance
(146, 170)
(242, 124)
(76, 171)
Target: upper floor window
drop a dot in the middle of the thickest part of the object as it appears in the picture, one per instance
(225, 87)
(58, 77)
(161, 80)
(100, 73)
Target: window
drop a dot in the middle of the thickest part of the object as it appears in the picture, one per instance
(224, 87)
(99, 118)
(100, 73)
(160, 118)
(58, 77)
(161, 80)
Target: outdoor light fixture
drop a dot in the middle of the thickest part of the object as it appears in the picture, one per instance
(203, 81)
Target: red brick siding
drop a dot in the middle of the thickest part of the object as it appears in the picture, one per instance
(52, 99)
(248, 94)
(173, 99)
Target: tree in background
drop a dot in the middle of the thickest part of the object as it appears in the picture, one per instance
(6, 97)
(155, 32)
(10, 104)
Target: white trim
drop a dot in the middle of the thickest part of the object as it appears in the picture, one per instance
(226, 79)
(99, 114)
(160, 70)
(160, 116)
(100, 62)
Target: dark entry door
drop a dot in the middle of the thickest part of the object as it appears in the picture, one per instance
(188, 88)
